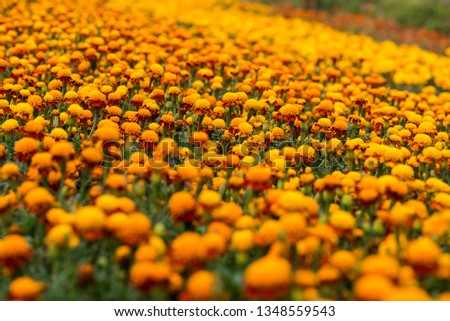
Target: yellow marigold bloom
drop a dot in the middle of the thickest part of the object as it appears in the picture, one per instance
(75, 111)
(10, 125)
(202, 285)
(96, 99)
(227, 212)
(107, 202)
(261, 284)
(277, 133)
(22, 110)
(24, 147)
(149, 136)
(440, 201)
(38, 200)
(156, 71)
(61, 235)
(219, 123)
(25, 289)
(245, 129)
(62, 150)
(182, 206)
(253, 104)
(422, 140)
(59, 133)
(209, 199)
(146, 275)
(342, 220)
(242, 240)
(290, 112)
(402, 171)
(295, 202)
(4, 104)
(229, 99)
(430, 154)
(9, 171)
(423, 254)
(107, 133)
(90, 221)
(324, 123)
(202, 106)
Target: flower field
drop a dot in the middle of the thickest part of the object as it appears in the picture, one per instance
(215, 150)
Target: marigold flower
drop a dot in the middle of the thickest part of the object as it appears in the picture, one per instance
(10, 125)
(156, 71)
(209, 199)
(38, 200)
(372, 287)
(146, 275)
(25, 289)
(261, 284)
(25, 148)
(14, 251)
(423, 254)
(187, 250)
(90, 222)
(182, 206)
(202, 285)
(242, 240)
(258, 178)
(62, 150)
(61, 235)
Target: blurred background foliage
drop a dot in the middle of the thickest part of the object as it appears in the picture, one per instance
(429, 14)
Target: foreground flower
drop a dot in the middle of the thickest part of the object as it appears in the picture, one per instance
(261, 284)
(25, 289)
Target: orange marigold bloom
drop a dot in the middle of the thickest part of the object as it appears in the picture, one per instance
(25, 148)
(258, 178)
(146, 275)
(423, 254)
(25, 289)
(39, 200)
(14, 251)
(156, 71)
(96, 99)
(372, 287)
(62, 150)
(62, 236)
(135, 229)
(182, 206)
(202, 285)
(187, 250)
(261, 283)
(90, 221)
(92, 156)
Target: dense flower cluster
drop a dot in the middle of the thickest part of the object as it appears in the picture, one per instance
(187, 150)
